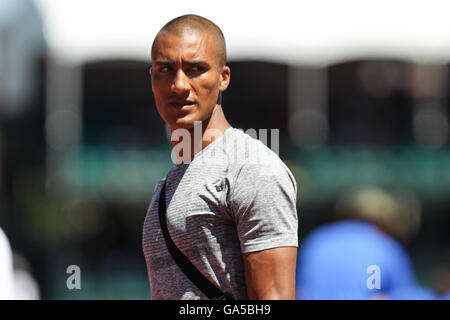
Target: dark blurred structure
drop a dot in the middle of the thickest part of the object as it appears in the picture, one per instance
(440, 279)
(371, 106)
(256, 101)
(122, 89)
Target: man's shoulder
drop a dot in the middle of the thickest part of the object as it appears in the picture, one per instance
(245, 149)
(251, 158)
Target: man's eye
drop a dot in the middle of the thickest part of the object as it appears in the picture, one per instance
(197, 69)
(165, 69)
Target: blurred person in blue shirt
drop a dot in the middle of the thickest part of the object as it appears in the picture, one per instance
(358, 255)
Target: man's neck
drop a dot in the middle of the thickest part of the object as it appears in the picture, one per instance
(202, 134)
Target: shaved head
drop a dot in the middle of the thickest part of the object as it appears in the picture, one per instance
(190, 23)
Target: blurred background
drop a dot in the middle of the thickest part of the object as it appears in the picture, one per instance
(360, 94)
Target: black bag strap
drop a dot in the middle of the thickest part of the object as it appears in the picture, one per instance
(196, 277)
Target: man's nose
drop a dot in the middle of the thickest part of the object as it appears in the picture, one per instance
(181, 82)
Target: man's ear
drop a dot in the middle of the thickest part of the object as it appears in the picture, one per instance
(225, 78)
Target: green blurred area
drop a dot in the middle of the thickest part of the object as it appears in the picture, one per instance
(98, 286)
(321, 173)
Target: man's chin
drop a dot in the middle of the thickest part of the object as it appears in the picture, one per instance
(183, 123)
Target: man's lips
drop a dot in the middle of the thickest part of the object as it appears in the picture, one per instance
(181, 104)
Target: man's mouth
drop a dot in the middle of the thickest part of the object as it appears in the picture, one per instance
(181, 103)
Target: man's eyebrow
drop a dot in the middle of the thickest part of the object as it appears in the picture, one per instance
(164, 62)
(171, 63)
(195, 63)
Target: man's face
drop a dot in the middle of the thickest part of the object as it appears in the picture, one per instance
(187, 78)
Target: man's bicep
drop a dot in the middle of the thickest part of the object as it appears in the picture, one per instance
(263, 204)
(270, 274)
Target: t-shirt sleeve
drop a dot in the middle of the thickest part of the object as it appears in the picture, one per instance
(262, 200)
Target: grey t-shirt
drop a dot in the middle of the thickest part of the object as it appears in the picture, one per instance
(236, 196)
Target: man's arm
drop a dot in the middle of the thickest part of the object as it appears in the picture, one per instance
(270, 274)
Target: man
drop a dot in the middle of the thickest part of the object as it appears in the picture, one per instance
(231, 202)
